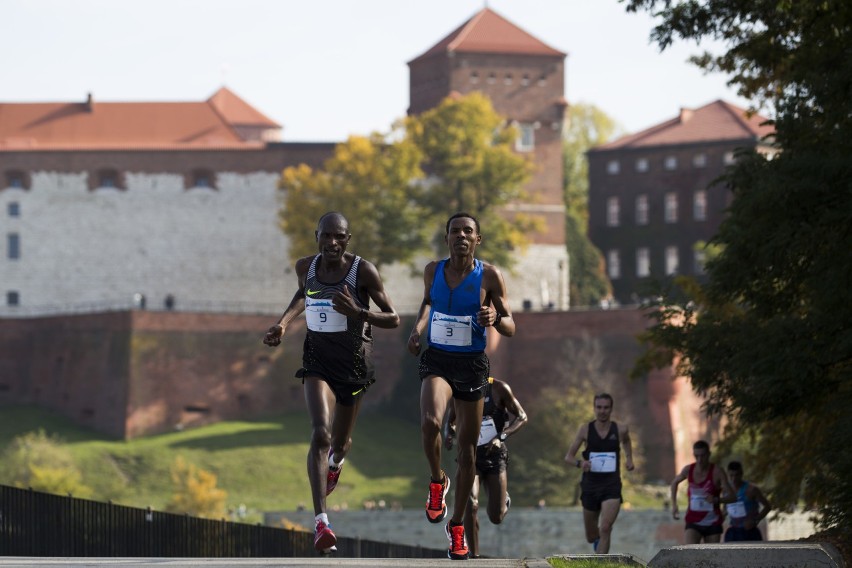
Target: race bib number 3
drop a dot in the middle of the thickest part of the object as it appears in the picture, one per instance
(321, 316)
(602, 462)
(450, 330)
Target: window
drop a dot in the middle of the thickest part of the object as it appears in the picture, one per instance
(670, 163)
(202, 179)
(14, 209)
(474, 77)
(507, 80)
(699, 205)
(613, 167)
(699, 160)
(698, 260)
(641, 209)
(612, 212)
(108, 179)
(613, 264)
(643, 262)
(670, 209)
(13, 246)
(642, 165)
(526, 139)
(729, 159)
(671, 260)
(13, 298)
(542, 81)
(525, 80)
(16, 179)
(492, 78)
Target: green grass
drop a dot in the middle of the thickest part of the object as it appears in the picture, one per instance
(259, 463)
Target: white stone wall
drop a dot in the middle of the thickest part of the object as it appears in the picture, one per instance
(212, 249)
(101, 247)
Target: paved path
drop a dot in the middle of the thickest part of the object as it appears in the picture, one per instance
(9, 562)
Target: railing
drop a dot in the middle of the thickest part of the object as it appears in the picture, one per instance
(40, 524)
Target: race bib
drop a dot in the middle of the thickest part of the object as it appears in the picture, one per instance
(602, 462)
(736, 510)
(450, 330)
(487, 432)
(321, 316)
(699, 502)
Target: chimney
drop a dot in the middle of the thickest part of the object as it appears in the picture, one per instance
(90, 103)
(686, 114)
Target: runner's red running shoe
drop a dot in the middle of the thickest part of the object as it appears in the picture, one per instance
(458, 542)
(436, 505)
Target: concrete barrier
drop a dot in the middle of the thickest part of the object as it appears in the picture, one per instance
(770, 554)
(621, 559)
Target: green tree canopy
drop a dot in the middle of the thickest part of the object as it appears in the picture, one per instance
(588, 126)
(768, 339)
(367, 179)
(468, 151)
(394, 209)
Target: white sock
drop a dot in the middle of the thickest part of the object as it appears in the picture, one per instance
(321, 517)
(332, 464)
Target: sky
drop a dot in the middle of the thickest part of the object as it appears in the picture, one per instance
(326, 69)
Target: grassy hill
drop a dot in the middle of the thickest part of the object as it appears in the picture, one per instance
(259, 463)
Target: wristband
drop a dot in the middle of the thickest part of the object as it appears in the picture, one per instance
(497, 319)
(363, 314)
(579, 462)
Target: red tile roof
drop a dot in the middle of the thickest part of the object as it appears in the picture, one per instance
(713, 122)
(238, 112)
(489, 32)
(129, 125)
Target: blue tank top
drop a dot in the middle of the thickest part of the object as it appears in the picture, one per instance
(452, 316)
(743, 508)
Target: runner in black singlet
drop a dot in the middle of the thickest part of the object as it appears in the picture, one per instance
(600, 462)
(335, 289)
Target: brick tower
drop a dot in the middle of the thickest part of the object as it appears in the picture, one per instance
(524, 78)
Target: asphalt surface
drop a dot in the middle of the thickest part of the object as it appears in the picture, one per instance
(30, 562)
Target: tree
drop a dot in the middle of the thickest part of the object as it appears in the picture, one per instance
(369, 180)
(42, 462)
(588, 126)
(767, 340)
(195, 492)
(468, 153)
(378, 183)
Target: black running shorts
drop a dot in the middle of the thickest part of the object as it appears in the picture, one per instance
(705, 530)
(467, 373)
(593, 494)
(346, 394)
(493, 463)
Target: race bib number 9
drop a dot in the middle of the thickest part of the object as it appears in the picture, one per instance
(321, 316)
(602, 462)
(450, 330)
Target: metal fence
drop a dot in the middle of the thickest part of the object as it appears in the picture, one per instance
(40, 524)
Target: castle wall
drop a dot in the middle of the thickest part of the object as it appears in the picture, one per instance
(130, 374)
